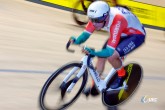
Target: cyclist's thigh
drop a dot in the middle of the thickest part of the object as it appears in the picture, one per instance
(129, 44)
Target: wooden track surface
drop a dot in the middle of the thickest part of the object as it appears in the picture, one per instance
(153, 2)
(32, 46)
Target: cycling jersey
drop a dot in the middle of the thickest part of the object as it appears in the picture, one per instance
(121, 23)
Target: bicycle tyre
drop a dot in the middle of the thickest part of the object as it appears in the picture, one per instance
(52, 78)
(77, 18)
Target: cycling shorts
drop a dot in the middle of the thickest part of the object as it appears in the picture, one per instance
(128, 44)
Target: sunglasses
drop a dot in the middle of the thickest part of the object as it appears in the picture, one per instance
(99, 19)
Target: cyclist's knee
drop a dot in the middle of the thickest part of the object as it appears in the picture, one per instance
(114, 57)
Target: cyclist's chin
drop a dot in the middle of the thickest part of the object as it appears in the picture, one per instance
(98, 26)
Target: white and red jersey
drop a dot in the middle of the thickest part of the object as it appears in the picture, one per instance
(121, 23)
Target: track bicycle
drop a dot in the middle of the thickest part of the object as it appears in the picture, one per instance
(67, 83)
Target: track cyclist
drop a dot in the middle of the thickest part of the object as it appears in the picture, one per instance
(126, 33)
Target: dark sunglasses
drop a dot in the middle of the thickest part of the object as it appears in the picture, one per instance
(99, 19)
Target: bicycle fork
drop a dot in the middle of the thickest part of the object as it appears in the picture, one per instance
(80, 73)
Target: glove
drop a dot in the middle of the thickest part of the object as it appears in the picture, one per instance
(81, 38)
(90, 51)
(107, 52)
(73, 39)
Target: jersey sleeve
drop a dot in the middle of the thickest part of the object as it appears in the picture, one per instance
(118, 25)
(90, 27)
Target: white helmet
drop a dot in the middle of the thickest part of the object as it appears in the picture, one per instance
(98, 11)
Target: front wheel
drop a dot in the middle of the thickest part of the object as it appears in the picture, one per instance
(54, 95)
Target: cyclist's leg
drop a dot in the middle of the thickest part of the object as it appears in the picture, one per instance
(100, 65)
(126, 46)
(115, 60)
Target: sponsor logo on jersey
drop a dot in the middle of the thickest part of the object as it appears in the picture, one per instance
(116, 30)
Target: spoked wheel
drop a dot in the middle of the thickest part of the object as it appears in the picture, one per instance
(54, 94)
(80, 16)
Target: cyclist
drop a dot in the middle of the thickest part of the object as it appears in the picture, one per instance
(126, 34)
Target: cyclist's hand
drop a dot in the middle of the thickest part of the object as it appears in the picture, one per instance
(88, 51)
(72, 39)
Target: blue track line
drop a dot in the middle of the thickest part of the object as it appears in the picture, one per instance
(25, 71)
(49, 72)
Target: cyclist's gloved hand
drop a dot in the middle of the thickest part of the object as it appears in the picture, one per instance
(72, 39)
(88, 50)
(107, 52)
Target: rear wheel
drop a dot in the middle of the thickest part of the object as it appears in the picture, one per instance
(54, 96)
(133, 81)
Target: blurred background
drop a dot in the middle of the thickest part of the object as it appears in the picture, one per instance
(33, 35)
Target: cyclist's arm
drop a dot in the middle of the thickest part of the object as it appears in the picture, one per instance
(89, 29)
(118, 25)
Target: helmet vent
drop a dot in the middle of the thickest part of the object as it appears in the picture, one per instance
(93, 11)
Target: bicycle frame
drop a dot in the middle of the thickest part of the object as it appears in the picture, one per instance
(88, 64)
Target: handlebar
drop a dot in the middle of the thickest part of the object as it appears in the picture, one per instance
(72, 51)
(67, 47)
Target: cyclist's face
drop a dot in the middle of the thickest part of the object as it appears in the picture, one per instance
(98, 26)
